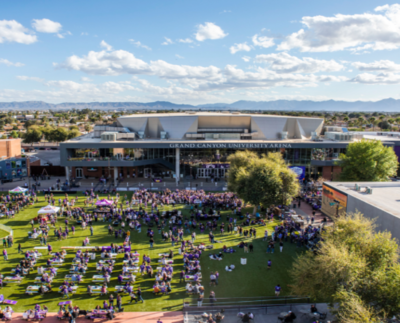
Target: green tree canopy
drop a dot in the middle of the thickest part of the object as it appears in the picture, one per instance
(368, 160)
(355, 268)
(33, 135)
(262, 181)
(14, 134)
(58, 135)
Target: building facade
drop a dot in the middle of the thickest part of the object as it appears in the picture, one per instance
(196, 145)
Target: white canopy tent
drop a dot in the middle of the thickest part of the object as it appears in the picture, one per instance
(49, 209)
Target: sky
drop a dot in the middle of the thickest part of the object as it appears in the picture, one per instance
(198, 52)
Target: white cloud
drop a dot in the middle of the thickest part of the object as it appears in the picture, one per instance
(84, 33)
(13, 31)
(246, 58)
(139, 44)
(377, 66)
(9, 63)
(209, 31)
(122, 62)
(208, 78)
(179, 56)
(186, 41)
(240, 47)
(85, 79)
(103, 44)
(356, 32)
(285, 63)
(382, 78)
(168, 41)
(262, 41)
(29, 78)
(46, 26)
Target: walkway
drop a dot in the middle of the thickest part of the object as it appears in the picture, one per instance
(126, 317)
(262, 315)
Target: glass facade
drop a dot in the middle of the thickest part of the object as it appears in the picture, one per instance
(198, 162)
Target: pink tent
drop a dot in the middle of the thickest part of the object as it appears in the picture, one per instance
(104, 202)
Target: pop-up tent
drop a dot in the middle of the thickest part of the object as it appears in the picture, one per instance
(18, 190)
(104, 202)
(49, 209)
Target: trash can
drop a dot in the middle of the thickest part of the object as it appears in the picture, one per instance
(243, 261)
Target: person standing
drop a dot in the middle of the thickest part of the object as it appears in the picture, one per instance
(251, 247)
(277, 290)
(139, 295)
(281, 246)
(151, 242)
(5, 255)
(245, 248)
(91, 230)
(200, 300)
(19, 248)
(212, 298)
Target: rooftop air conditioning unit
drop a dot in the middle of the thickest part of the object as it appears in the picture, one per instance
(284, 135)
(163, 134)
(216, 136)
(357, 187)
(141, 134)
(368, 190)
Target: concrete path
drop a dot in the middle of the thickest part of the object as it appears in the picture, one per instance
(126, 317)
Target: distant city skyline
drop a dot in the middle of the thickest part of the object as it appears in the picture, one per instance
(190, 52)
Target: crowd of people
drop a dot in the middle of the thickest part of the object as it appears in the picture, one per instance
(156, 211)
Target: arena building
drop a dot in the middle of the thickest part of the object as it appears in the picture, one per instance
(196, 145)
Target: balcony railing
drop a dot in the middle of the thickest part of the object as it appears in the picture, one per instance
(97, 159)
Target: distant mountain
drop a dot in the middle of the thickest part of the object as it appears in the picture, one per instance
(386, 105)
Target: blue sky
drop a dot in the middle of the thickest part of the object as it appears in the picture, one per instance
(199, 51)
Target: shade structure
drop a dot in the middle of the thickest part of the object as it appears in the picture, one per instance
(104, 202)
(49, 209)
(18, 190)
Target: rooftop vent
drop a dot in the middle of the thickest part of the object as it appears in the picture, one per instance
(284, 135)
(190, 112)
(236, 112)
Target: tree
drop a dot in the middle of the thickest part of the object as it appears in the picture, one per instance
(58, 135)
(73, 128)
(355, 268)
(74, 133)
(372, 120)
(88, 127)
(385, 125)
(14, 134)
(33, 135)
(262, 181)
(368, 160)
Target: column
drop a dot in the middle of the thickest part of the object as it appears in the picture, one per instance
(67, 173)
(115, 175)
(177, 156)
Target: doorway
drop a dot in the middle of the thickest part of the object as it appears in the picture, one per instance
(147, 173)
(79, 172)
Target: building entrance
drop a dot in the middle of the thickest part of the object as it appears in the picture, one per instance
(211, 172)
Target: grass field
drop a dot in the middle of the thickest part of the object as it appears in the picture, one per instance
(248, 280)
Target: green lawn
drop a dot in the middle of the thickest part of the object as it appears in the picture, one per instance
(248, 280)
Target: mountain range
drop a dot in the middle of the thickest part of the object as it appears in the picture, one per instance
(386, 105)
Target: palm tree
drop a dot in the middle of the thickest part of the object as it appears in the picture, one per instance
(372, 120)
(381, 117)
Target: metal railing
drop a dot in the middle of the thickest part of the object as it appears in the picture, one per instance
(242, 302)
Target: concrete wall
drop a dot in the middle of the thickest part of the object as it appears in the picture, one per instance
(384, 220)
